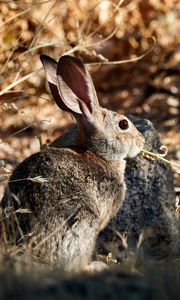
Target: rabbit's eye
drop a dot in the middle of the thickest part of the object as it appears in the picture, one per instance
(123, 124)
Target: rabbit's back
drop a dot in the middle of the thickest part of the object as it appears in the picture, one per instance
(54, 175)
(70, 193)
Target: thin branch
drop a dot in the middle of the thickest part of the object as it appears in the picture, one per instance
(24, 78)
(41, 27)
(38, 47)
(17, 132)
(116, 8)
(119, 62)
(15, 17)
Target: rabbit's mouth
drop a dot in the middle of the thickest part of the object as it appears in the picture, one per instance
(137, 146)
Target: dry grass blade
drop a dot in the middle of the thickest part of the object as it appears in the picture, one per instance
(152, 156)
(177, 208)
(19, 131)
(37, 47)
(24, 78)
(15, 17)
(23, 211)
(116, 9)
(38, 179)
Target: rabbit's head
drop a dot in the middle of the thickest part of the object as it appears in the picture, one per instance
(110, 135)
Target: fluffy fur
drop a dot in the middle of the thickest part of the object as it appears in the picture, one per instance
(83, 186)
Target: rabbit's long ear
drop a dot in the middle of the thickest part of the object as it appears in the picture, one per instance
(75, 86)
(50, 66)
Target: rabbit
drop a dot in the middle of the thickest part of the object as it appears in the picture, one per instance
(72, 193)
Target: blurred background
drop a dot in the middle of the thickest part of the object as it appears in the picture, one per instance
(97, 32)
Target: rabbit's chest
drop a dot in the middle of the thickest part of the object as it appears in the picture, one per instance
(111, 194)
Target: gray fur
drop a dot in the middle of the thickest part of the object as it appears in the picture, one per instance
(149, 206)
(82, 187)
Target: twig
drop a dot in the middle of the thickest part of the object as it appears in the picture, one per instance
(24, 78)
(15, 17)
(40, 27)
(119, 62)
(19, 131)
(37, 47)
(117, 7)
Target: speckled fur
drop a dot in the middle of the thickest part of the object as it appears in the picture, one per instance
(83, 186)
(68, 217)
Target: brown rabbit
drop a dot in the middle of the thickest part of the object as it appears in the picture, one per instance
(81, 187)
